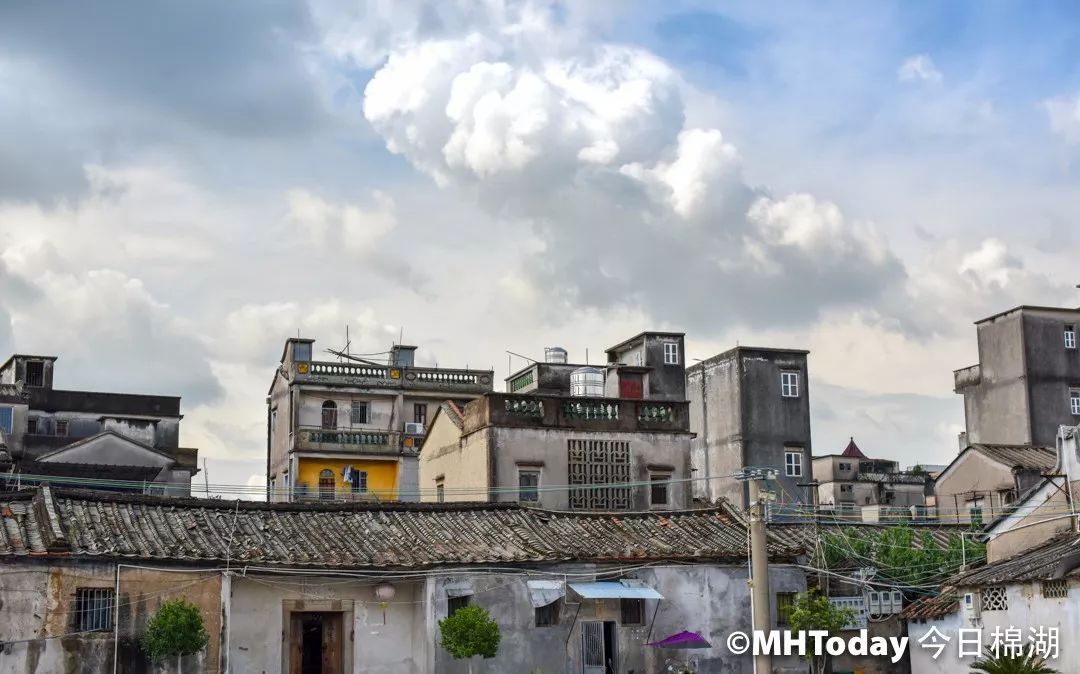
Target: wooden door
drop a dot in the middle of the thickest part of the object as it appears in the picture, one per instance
(331, 646)
(630, 386)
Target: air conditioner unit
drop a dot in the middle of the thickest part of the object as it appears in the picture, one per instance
(413, 428)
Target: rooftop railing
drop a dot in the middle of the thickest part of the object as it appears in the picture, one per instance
(614, 414)
(392, 376)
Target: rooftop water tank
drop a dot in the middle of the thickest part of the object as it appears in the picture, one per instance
(587, 382)
(554, 354)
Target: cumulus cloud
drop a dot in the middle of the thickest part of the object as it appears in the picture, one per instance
(919, 68)
(356, 228)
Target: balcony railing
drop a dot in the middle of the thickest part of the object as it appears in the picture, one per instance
(612, 414)
(383, 376)
(348, 440)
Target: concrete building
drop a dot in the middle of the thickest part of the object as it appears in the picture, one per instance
(334, 588)
(750, 406)
(1027, 380)
(51, 433)
(851, 484)
(352, 429)
(983, 481)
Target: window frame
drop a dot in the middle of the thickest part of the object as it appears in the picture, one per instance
(784, 608)
(360, 485)
(359, 412)
(671, 353)
(627, 608)
(92, 609)
(788, 453)
(7, 419)
(420, 414)
(1070, 337)
(31, 425)
(547, 615)
(458, 602)
(1074, 400)
(328, 423)
(534, 489)
(61, 427)
(36, 364)
(789, 383)
(331, 493)
(440, 491)
(664, 480)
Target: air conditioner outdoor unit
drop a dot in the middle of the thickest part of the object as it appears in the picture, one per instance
(414, 428)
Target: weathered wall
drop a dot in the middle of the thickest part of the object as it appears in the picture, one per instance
(38, 601)
(1052, 369)
(1040, 519)
(922, 660)
(996, 409)
(713, 388)
(972, 472)
(461, 462)
(380, 408)
(382, 475)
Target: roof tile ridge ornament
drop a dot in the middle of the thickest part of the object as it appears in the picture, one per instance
(52, 532)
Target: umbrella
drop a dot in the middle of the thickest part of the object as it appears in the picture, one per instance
(682, 640)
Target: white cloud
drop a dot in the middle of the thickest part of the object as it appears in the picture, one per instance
(1064, 114)
(356, 228)
(919, 68)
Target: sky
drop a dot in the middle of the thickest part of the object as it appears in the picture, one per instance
(185, 185)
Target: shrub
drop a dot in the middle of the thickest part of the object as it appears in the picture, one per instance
(176, 630)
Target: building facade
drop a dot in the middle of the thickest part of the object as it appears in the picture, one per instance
(852, 484)
(751, 407)
(51, 433)
(1027, 380)
(352, 429)
(984, 481)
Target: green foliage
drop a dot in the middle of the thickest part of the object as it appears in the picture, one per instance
(470, 631)
(176, 629)
(893, 552)
(1011, 664)
(813, 611)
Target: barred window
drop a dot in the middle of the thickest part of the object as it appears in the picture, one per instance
(1055, 589)
(358, 412)
(93, 608)
(994, 599)
(594, 463)
(632, 611)
(785, 604)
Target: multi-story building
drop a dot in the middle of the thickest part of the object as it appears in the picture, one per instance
(62, 435)
(750, 407)
(1027, 381)
(852, 484)
(569, 440)
(352, 429)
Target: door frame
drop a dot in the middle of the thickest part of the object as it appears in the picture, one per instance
(344, 607)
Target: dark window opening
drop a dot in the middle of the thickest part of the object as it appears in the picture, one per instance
(420, 413)
(31, 426)
(440, 492)
(785, 604)
(93, 608)
(547, 616)
(529, 486)
(35, 374)
(61, 427)
(632, 611)
(329, 415)
(454, 603)
(658, 489)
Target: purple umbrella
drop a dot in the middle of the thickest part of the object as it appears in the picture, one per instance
(682, 640)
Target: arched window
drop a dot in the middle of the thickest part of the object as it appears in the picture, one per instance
(327, 484)
(329, 415)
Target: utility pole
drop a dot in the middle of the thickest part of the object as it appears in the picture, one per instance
(761, 612)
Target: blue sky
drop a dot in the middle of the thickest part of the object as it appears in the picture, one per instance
(184, 185)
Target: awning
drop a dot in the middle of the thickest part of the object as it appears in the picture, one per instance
(544, 592)
(615, 590)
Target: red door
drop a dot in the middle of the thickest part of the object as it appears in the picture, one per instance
(630, 386)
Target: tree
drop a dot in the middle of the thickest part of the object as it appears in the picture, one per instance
(895, 556)
(813, 611)
(468, 632)
(176, 630)
(1015, 663)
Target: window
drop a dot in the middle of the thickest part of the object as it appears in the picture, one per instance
(327, 484)
(35, 374)
(671, 353)
(1055, 589)
(93, 608)
(658, 489)
(440, 492)
(994, 599)
(359, 481)
(5, 420)
(301, 351)
(785, 604)
(528, 486)
(329, 415)
(789, 384)
(358, 413)
(599, 462)
(31, 425)
(793, 463)
(632, 611)
(454, 603)
(975, 509)
(845, 466)
(61, 427)
(845, 489)
(1074, 400)
(419, 411)
(548, 616)
(1070, 337)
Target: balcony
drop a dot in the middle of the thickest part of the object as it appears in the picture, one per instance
(596, 414)
(383, 376)
(967, 377)
(348, 441)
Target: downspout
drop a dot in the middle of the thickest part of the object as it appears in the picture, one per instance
(116, 621)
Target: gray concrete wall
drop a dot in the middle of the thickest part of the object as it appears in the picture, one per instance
(1051, 371)
(996, 409)
(713, 387)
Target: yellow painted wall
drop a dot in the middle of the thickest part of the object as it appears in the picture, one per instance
(382, 475)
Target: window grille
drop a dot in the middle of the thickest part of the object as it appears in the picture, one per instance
(1055, 589)
(994, 599)
(358, 413)
(547, 616)
(599, 462)
(93, 609)
(785, 604)
(35, 374)
(632, 611)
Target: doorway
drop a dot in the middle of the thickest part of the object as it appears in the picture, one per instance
(316, 643)
(599, 652)
(631, 385)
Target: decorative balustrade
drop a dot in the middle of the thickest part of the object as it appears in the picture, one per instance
(347, 370)
(478, 381)
(655, 412)
(344, 439)
(525, 407)
(521, 382)
(591, 409)
(443, 377)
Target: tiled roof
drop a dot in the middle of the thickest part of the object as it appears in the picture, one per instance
(1058, 557)
(932, 608)
(454, 413)
(357, 535)
(1023, 456)
(852, 451)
